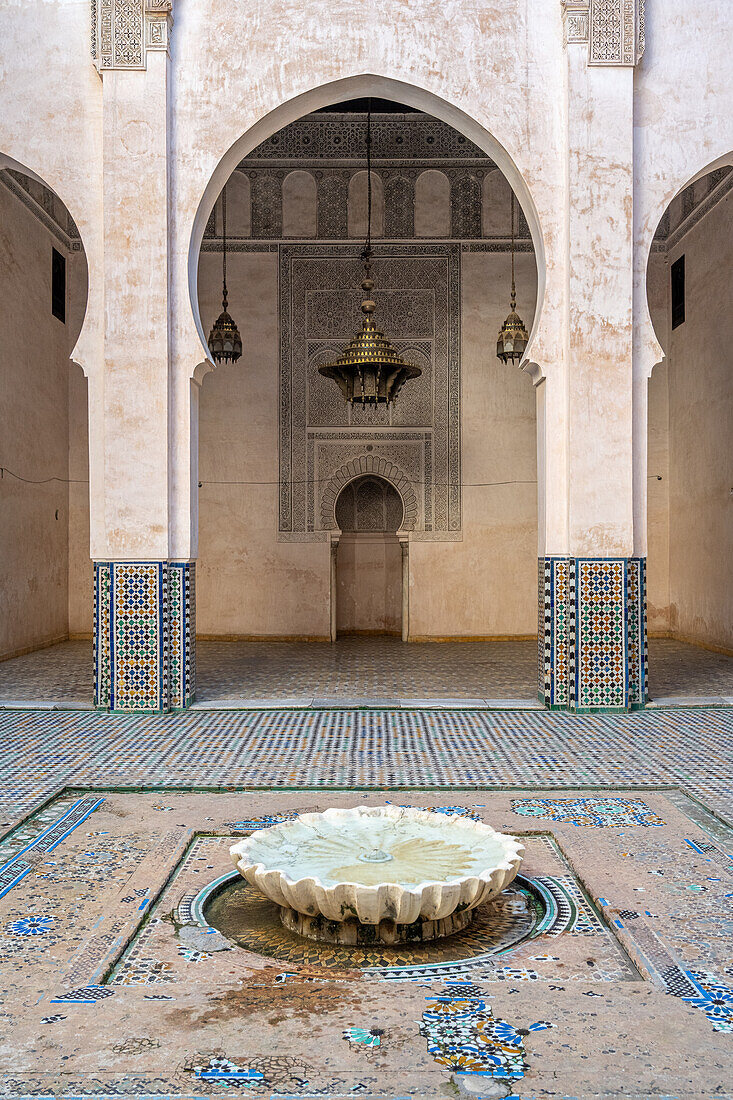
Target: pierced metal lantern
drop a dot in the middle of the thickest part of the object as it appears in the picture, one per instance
(513, 338)
(225, 343)
(370, 370)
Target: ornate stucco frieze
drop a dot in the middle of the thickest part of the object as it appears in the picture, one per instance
(123, 31)
(612, 29)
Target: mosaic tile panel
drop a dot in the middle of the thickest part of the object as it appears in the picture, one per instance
(139, 628)
(596, 812)
(102, 679)
(463, 1035)
(144, 635)
(592, 646)
(601, 676)
(636, 631)
(556, 614)
(182, 620)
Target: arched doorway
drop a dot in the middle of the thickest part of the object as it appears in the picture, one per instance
(690, 426)
(277, 440)
(45, 567)
(369, 574)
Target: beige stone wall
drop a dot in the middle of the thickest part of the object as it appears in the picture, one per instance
(700, 380)
(34, 434)
(250, 584)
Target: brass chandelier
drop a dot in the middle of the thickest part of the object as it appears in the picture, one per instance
(513, 338)
(369, 370)
(225, 343)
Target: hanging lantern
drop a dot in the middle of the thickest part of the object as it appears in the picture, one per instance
(370, 370)
(225, 343)
(513, 338)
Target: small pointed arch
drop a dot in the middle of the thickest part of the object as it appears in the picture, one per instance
(300, 205)
(357, 218)
(239, 211)
(496, 196)
(432, 204)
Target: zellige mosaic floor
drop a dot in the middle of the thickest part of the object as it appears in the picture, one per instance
(359, 669)
(114, 984)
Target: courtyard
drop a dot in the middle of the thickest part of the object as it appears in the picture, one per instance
(604, 971)
(366, 531)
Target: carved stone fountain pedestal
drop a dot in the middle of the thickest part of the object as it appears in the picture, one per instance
(386, 874)
(352, 933)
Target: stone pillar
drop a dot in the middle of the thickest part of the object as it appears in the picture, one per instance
(592, 588)
(144, 607)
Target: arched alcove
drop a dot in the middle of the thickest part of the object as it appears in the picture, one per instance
(278, 443)
(369, 511)
(239, 209)
(495, 205)
(44, 491)
(432, 204)
(300, 205)
(358, 205)
(689, 429)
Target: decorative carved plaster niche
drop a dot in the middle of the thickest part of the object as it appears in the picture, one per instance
(122, 31)
(613, 29)
(323, 441)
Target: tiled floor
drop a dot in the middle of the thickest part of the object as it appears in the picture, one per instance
(359, 669)
(42, 750)
(119, 979)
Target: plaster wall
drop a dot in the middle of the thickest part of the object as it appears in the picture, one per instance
(250, 584)
(34, 432)
(700, 381)
(658, 615)
(486, 584)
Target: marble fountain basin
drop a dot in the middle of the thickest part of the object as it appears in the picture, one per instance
(383, 866)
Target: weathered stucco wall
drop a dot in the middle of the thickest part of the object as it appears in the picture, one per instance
(34, 433)
(700, 380)
(658, 620)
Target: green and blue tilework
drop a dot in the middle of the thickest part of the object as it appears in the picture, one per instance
(592, 633)
(144, 635)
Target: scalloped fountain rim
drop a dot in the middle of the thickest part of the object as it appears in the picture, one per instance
(507, 864)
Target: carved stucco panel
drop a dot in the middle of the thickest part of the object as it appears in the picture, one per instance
(418, 295)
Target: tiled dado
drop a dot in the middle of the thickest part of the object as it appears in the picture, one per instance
(592, 632)
(144, 635)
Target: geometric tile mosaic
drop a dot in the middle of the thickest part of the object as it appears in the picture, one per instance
(592, 633)
(595, 812)
(144, 635)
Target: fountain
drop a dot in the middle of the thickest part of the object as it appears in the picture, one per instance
(383, 874)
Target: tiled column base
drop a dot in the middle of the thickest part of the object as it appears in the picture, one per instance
(144, 635)
(592, 633)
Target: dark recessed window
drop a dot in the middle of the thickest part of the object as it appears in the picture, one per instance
(678, 292)
(58, 285)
